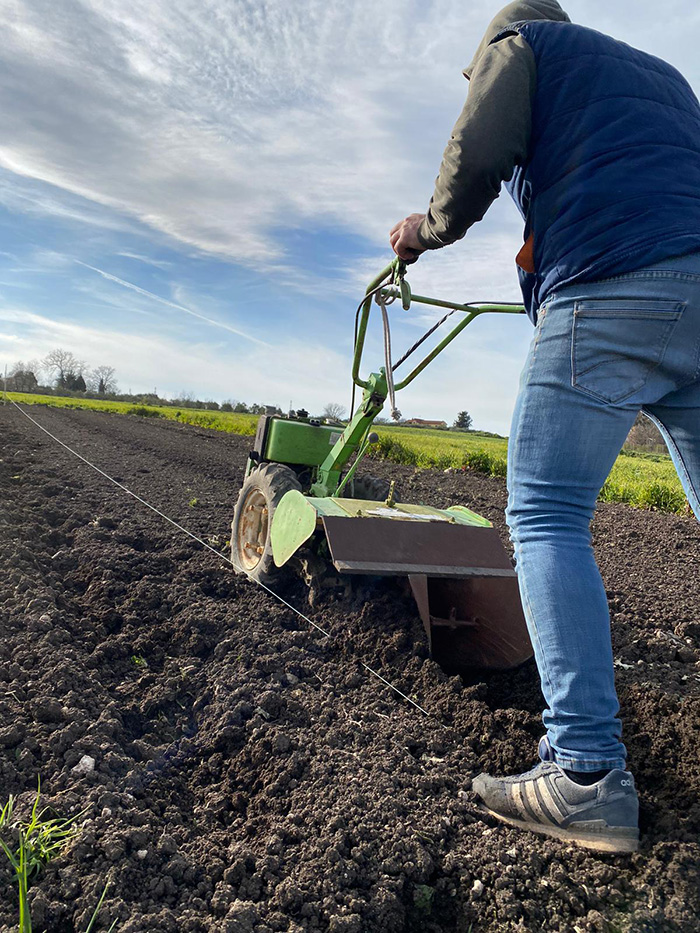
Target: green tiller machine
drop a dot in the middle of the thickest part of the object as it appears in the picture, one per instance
(303, 503)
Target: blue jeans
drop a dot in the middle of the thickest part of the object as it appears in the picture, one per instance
(601, 352)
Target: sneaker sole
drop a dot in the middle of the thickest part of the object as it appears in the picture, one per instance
(594, 841)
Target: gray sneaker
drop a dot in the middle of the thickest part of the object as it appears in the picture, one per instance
(602, 816)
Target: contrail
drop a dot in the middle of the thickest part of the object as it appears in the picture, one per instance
(170, 304)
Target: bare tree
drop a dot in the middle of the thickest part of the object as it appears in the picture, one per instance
(645, 434)
(102, 380)
(61, 364)
(36, 367)
(22, 378)
(334, 411)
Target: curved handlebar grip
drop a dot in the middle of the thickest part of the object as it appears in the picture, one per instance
(400, 288)
(390, 270)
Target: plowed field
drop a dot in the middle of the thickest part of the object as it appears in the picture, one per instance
(250, 776)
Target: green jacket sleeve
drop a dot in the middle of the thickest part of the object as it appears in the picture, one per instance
(490, 138)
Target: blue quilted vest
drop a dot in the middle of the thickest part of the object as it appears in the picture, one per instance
(612, 183)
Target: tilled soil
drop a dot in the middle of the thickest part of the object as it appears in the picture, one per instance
(250, 775)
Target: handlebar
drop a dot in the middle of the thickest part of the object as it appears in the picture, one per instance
(391, 284)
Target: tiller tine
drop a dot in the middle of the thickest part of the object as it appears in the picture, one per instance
(460, 574)
(475, 622)
(461, 577)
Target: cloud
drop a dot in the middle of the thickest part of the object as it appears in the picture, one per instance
(147, 260)
(225, 125)
(271, 375)
(38, 199)
(171, 304)
(293, 114)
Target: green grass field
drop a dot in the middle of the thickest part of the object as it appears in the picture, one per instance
(440, 450)
(230, 422)
(642, 481)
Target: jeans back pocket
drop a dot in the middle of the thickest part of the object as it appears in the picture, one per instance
(617, 343)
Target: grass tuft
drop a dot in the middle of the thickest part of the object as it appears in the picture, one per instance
(93, 919)
(143, 411)
(642, 480)
(33, 844)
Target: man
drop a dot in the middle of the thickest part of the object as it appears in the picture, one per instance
(599, 145)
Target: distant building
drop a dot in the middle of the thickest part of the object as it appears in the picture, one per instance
(420, 423)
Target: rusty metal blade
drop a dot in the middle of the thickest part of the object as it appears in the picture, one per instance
(398, 548)
(476, 622)
(462, 580)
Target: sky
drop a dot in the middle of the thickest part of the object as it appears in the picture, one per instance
(196, 192)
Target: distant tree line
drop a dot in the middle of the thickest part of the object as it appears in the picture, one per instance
(61, 369)
(60, 372)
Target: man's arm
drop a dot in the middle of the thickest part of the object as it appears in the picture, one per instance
(490, 138)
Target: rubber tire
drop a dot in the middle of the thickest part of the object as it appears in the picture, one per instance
(373, 488)
(272, 481)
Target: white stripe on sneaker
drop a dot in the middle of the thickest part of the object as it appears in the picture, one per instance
(550, 799)
(531, 795)
(516, 795)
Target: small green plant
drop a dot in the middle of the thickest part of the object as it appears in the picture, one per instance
(33, 844)
(193, 502)
(423, 896)
(93, 919)
(138, 660)
(18, 860)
